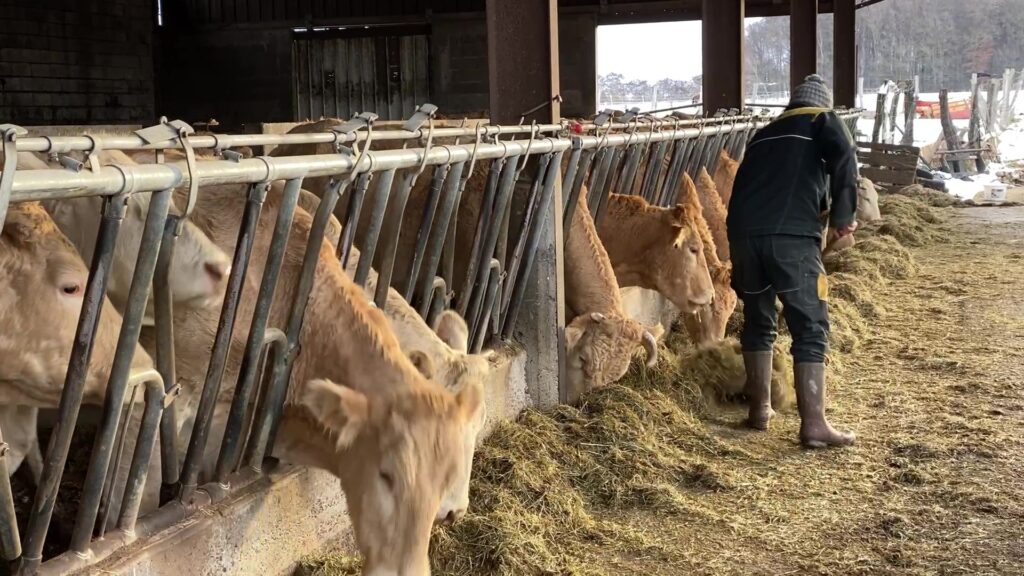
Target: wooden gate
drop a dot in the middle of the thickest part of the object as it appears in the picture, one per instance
(340, 76)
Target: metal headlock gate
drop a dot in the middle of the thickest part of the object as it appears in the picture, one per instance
(631, 154)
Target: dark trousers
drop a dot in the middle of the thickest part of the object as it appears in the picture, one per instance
(790, 268)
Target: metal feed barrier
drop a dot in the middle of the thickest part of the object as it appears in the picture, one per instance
(632, 154)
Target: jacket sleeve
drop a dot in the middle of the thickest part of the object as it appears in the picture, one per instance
(840, 156)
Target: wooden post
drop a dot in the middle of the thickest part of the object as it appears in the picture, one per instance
(949, 132)
(893, 109)
(992, 105)
(803, 40)
(876, 132)
(909, 112)
(974, 131)
(722, 55)
(844, 61)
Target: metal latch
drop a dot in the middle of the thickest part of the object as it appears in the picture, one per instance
(423, 113)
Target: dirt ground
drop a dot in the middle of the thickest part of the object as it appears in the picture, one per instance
(935, 393)
(644, 480)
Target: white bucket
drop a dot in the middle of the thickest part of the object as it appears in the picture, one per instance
(995, 192)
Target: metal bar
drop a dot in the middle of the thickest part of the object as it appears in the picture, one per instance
(137, 475)
(114, 468)
(396, 212)
(573, 166)
(163, 311)
(492, 229)
(438, 300)
(369, 243)
(222, 342)
(534, 223)
(10, 540)
(423, 234)
(653, 172)
(605, 189)
(629, 171)
(231, 445)
(131, 326)
(597, 178)
(269, 412)
(74, 385)
(493, 275)
(463, 297)
(573, 197)
(675, 172)
(438, 233)
(351, 223)
(266, 421)
(512, 268)
(9, 139)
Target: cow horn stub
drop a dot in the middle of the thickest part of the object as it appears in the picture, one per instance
(597, 317)
(650, 344)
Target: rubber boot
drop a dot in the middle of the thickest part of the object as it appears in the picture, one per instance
(815, 431)
(758, 366)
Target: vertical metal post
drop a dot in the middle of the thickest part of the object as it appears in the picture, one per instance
(803, 40)
(653, 172)
(675, 172)
(605, 188)
(164, 323)
(844, 60)
(10, 540)
(529, 220)
(222, 342)
(74, 385)
(138, 296)
(369, 244)
(231, 445)
(351, 223)
(155, 396)
(574, 187)
(438, 233)
(426, 225)
(396, 213)
(486, 207)
(629, 170)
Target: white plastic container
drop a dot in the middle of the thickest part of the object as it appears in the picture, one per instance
(995, 192)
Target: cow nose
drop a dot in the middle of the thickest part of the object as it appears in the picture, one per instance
(453, 517)
(217, 270)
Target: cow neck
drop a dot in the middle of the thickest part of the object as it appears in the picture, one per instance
(634, 229)
(592, 286)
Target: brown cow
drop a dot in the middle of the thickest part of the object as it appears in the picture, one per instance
(357, 406)
(714, 212)
(725, 176)
(657, 249)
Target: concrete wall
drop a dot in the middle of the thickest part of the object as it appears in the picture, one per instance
(76, 62)
(235, 76)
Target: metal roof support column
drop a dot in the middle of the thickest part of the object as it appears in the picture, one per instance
(522, 59)
(722, 33)
(803, 40)
(844, 27)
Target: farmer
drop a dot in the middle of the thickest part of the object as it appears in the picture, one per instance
(775, 228)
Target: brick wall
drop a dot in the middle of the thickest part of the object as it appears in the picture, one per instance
(458, 70)
(76, 61)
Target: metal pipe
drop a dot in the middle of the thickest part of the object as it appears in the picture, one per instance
(438, 300)
(463, 297)
(231, 445)
(222, 341)
(512, 268)
(653, 172)
(137, 475)
(74, 386)
(369, 244)
(597, 177)
(395, 215)
(573, 165)
(423, 233)
(114, 469)
(629, 170)
(351, 222)
(535, 224)
(163, 312)
(574, 194)
(10, 540)
(492, 228)
(605, 189)
(492, 276)
(675, 172)
(138, 296)
(438, 233)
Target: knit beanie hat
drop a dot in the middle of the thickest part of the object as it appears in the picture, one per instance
(813, 92)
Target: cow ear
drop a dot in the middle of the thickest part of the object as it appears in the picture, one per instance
(469, 400)
(343, 411)
(678, 217)
(423, 363)
(573, 335)
(452, 330)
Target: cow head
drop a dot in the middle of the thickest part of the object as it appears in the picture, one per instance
(600, 348)
(42, 285)
(461, 371)
(397, 455)
(708, 323)
(681, 267)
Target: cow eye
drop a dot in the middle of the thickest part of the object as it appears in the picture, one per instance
(694, 250)
(387, 479)
(71, 289)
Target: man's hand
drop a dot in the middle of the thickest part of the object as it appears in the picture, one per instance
(846, 230)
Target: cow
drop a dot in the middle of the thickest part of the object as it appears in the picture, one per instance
(725, 176)
(357, 407)
(714, 213)
(707, 325)
(657, 249)
(43, 277)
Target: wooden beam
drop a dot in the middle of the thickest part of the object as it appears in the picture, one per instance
(948, 131)
(902, 177)
(803, 40)
(723, 54)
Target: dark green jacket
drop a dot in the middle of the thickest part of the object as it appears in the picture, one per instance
(780, 187)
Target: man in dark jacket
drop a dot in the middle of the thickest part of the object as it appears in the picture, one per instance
(774, 227)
